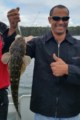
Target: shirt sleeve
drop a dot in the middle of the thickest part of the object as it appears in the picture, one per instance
(7, 40)
(30, 49)
(74, 74)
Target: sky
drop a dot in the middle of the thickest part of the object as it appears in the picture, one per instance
(36, 12)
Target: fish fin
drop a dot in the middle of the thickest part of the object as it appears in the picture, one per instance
(26, 62)
(5, 58)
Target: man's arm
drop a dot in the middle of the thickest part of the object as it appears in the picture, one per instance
(14, 18)
(60, 68)
(9, 34)
(73, 74)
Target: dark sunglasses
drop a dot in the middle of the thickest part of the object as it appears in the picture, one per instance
(57, 18)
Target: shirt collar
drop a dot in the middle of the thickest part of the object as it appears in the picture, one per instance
(48, 36)
(68, 38)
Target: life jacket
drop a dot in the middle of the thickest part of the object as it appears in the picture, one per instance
(4, 73)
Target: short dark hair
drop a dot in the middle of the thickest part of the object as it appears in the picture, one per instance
(58, 6)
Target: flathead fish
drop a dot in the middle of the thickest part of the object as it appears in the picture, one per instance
(17, 62)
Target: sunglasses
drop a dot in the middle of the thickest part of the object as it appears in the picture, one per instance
(57, 18)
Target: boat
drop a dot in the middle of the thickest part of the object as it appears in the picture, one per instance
(24, 103)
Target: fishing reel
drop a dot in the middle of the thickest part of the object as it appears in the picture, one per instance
(3, 28)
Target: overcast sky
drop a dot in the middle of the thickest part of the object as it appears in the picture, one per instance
(36, 12)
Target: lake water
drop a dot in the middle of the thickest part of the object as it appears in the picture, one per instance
(77, 37)
(26, 78)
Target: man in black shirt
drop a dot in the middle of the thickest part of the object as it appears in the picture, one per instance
(56, 78)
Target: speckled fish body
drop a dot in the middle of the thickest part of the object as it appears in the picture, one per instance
(17, 51)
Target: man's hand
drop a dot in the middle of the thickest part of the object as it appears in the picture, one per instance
(14, 18)
(29, 38)
(59, 67)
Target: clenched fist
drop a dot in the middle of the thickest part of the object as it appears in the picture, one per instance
(14, 18)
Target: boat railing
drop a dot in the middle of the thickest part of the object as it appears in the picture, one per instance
(24, 103)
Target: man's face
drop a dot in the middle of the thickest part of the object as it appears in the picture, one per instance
(59, 26)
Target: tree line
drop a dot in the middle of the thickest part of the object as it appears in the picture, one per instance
(37, 31)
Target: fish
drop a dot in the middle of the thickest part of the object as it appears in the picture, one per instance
(17, 62)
